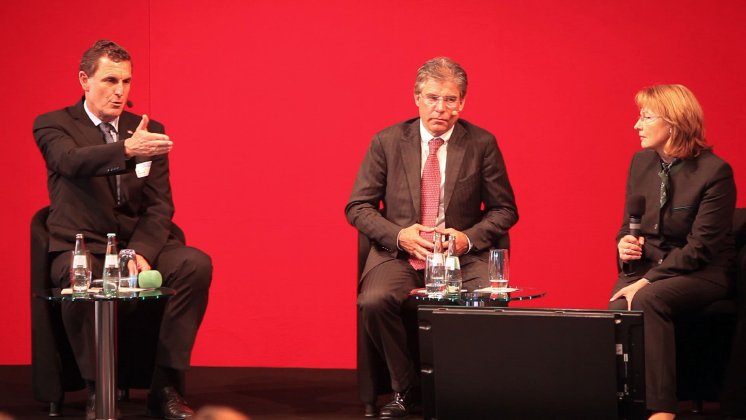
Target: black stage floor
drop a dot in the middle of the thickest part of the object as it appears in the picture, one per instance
(260, 393)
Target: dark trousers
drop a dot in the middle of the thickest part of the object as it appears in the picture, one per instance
(733, 401)
(661, 302)
(382, 294)
(185, 269)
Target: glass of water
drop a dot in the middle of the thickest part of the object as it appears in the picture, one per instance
(435, 271)
(499, 268)
(127, 268)
(80, 272)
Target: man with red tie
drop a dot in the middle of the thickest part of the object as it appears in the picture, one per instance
(434, 173)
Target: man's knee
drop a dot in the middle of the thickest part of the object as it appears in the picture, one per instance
(373, 301)
(187, 264)
(201, 264)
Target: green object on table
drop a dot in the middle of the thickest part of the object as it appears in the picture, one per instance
(150, 279)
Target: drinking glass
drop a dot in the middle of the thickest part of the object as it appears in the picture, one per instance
(80, 272)
(499, 268)
(127, 268)
(435, 283)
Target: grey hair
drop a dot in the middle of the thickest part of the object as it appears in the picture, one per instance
(441, 69)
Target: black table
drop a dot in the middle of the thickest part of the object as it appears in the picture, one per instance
(106, 332)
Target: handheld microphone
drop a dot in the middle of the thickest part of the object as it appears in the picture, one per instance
(129, 104)
(635, 209)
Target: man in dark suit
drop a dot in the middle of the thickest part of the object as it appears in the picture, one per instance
(108, 172)
(473, 201)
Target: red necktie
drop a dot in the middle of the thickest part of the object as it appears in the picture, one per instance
(429, 195)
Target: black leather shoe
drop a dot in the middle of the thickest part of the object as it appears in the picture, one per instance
(168, 404)
(371, 410)
(401, 406)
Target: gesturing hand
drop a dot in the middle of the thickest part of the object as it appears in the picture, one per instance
(145, 143)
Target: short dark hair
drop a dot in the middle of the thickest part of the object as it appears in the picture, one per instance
(442, 69)
(101, 48)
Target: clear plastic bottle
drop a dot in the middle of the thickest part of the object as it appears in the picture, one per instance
(110, 276)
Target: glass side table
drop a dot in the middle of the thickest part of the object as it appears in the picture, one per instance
(106, 332)
(479, 298)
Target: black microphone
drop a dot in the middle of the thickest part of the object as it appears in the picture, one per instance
(635, 209)
(130, 104)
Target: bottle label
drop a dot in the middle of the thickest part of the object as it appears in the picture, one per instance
(111, 261)
(80, 261)
(452, 263)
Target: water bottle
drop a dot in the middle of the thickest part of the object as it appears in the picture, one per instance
(437, 244)
(111, 266)
(451, 245)
(454, 278)
(80, 269)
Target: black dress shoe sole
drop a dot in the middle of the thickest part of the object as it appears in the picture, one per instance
(158, 415)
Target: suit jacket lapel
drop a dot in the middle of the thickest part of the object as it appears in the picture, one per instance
(454, 159)
(91, 135)
(411, 155)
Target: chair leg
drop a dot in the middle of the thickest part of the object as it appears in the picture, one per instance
(697, 406)
(55, 409)
(371, 410)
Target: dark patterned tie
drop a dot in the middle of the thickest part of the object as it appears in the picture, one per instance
(429, 194)
(665, 183)
(110, 134)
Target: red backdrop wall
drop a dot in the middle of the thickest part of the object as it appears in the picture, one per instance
(272, 105)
